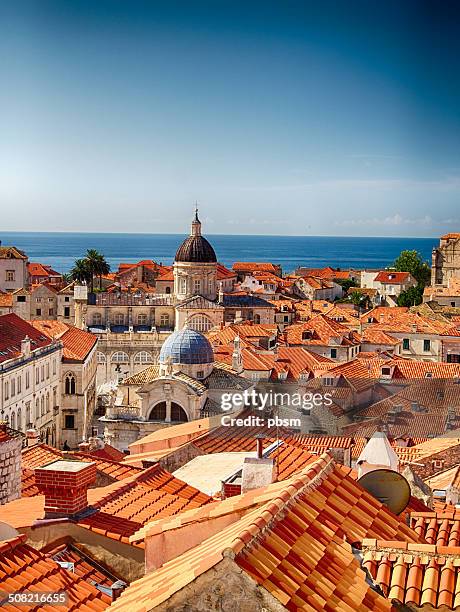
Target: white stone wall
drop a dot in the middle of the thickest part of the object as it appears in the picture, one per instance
(10, 470)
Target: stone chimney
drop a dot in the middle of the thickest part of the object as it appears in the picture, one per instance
(95, 443)
(32, 437)
(64, 485)
(84, 447)
(257, 471)
(10, 465)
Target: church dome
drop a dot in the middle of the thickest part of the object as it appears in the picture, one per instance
(195, 248)
(186, 346)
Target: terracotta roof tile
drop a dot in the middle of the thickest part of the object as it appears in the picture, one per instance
(77, 342)
(23, 568)
(13, 329)
(296, 545)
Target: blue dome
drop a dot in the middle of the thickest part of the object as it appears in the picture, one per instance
(187, 346)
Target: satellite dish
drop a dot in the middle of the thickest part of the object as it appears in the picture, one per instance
(389, 487)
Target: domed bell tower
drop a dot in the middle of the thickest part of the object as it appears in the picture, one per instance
(195, 266)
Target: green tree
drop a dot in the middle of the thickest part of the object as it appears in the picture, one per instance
(359, 298)
(81, 271)
(345, 283)
(97, 264)
(412, 261)
(411, 297)
(93, 264)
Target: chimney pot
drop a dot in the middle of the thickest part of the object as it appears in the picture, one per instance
(32, 437)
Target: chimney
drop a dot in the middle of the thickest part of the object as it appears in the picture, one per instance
(257, 471)
(84, 447)
(32, 437)
(237, 359)
(94, 443)
(64, 485)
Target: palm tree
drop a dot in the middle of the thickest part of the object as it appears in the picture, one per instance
(98, 266)
(80, 271)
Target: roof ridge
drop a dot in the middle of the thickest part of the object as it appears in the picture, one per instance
(308, 479)
(11, 543)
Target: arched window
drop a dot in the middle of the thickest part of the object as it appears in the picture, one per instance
(118, 318)
(19, 424)
(70, 384)
(100, 357)
(200, 323)
(120, 357)
(13, 421)
(257, 319)
(97, 318)
(178, 414)
(143, 357)
(42, 405)
(37, 408)
(168, 290)
(164, 320)
(158, 412)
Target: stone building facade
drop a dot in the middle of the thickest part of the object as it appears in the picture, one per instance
(10, 464)
(445, 262)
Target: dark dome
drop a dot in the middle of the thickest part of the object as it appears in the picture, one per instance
(196, 249)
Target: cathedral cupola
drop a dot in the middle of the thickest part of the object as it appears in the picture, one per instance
(195, 248)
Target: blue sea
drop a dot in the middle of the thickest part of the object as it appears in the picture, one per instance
(61, 249)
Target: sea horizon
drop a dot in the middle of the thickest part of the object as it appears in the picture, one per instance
(60, 249)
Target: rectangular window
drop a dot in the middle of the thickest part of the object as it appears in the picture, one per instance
(38, 312)
(427, 345)
(66, 312)
(333, 353)
(69, 421)
(197, 286)
(51, 312)
(66, 299)
(7, 390)
(10, 275)
(43, 373)
(47, 370)
(37, 375)
(13, 387)
(406, 344)
(27, 379)
(19, 384)
(21, 298)
(54, 366)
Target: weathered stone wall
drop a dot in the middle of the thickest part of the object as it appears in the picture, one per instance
(10, 469)
(180, 457)
(224, 587)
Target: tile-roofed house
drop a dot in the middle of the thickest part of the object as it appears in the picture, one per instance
(248, 267)
(77, 343)
(41, 273)
(296, 547)
(79, 377)
(24, 569)
(324, 335)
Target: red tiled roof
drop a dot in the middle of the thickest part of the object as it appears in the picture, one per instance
(322, 330)
(393, 278)
(77, 342)
(38, 269)
(223, 272)
(297, 546)
(13, 329)
(416, 575)
(6, 299)
(23, 568)
(251, 266)
(108, 452)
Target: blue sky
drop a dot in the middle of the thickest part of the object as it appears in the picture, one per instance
(322, 118)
